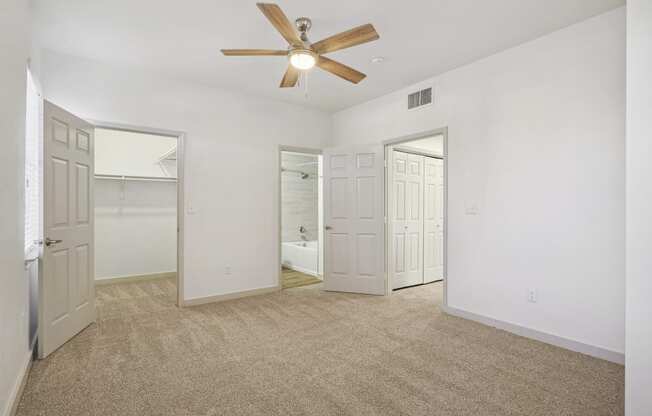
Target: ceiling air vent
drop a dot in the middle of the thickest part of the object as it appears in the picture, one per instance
(420, 98)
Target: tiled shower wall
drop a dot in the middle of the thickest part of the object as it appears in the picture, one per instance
(299, 197)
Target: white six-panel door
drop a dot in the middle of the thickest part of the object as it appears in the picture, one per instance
(354, 219)
(66, 285)
(407, 225)
(433, 226)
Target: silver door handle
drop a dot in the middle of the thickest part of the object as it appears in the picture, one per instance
(49, 241)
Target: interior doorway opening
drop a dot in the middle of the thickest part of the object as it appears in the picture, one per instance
(416, 211)
(301, 218)
(137, 197)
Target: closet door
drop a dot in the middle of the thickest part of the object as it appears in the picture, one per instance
(407, 224)
(433, 225)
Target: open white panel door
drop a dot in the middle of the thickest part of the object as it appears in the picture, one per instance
(354, 219)
(66, 285)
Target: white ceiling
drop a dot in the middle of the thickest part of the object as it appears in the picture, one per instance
(182, 39)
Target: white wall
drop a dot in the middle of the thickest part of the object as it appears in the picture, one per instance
(14, 308)
(135, 221)
(536, 140)
(638, 377)
(432, 145)
(135, 228)
(128, 153)
(231, 185)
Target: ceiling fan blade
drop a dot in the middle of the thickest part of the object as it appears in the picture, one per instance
(356, 36)
(278, 19)
(290, 78)
(253, 52)
(340, 70)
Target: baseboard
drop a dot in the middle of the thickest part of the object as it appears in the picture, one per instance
(134, 278)
(566, 343)
(17, 392)
(230, 296)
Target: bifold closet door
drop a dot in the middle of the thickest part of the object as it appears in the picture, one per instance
(433, 245)
(407, 224)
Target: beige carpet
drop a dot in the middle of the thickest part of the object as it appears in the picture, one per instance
(306, 352)
(292, 278)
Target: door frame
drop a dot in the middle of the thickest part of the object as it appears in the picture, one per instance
(180, 136)
(395, 144)
(279, 207)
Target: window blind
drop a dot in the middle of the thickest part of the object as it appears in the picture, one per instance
(32, 164)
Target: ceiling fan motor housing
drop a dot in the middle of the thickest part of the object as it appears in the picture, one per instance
(303, 25)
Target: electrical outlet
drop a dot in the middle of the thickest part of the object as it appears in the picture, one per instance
(532, 296)
(227, 270)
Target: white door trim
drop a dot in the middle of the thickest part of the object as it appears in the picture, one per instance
(279, 206)
(180, 136)
(396, 144)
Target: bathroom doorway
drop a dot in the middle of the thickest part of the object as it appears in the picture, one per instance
(301, 221)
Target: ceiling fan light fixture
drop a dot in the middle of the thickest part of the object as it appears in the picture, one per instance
(303, 59)
(303, 55)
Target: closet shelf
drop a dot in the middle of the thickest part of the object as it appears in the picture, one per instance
(136, 178)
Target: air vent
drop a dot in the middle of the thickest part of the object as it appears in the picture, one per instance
(420, 98)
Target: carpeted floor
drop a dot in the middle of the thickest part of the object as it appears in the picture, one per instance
(308, 352)
(292, 278)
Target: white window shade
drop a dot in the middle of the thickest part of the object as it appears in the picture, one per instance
(32, 165)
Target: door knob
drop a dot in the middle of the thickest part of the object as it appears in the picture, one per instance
(328, 227)
(49, 241)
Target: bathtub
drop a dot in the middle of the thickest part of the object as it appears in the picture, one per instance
(302, 256)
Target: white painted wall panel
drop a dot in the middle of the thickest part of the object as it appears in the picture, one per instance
(128, 153)
(135, 228)
(638, 366)
(536, 141)
(14, 292)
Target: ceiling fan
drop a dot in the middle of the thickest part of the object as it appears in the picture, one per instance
(302, 54)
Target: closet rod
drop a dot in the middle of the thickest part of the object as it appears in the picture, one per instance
(136, 178)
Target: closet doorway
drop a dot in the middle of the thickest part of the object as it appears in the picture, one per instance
(416, 195)
(137, 214)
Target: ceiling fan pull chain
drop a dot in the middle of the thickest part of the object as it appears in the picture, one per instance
(305, 84)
